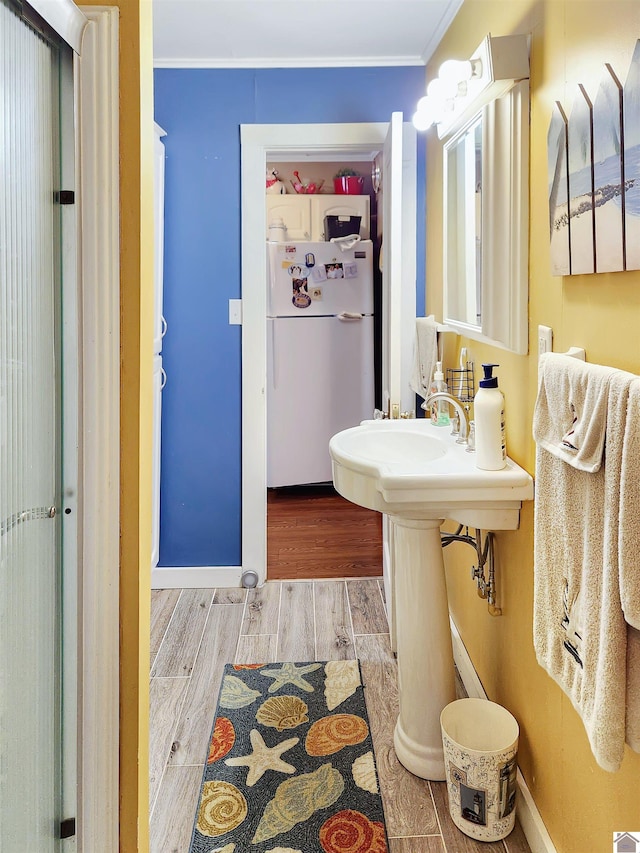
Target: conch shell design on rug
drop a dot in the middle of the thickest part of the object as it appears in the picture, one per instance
(342, 681)
(297, 799)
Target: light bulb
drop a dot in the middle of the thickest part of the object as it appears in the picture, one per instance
(435, 90)
(455, 70)
(422, 120)
(460, 70)
(442, 90)
(426, 113)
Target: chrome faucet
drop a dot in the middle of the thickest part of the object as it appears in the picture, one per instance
(464, 424)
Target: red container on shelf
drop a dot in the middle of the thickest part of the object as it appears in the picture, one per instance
(348, 185)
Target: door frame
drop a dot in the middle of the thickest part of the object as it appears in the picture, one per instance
(258, 142)
(98, 300)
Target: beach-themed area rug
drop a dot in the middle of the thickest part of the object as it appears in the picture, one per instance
(290, 766)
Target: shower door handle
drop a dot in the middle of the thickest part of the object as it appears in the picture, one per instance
(26, 515)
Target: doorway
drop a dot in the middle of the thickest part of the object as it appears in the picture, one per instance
(326, 377)
(259, 144)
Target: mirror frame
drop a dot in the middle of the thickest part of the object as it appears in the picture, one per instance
(505, 222)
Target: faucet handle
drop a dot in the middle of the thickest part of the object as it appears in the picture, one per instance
(471, 441)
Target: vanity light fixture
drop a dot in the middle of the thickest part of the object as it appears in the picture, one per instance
(463, 87)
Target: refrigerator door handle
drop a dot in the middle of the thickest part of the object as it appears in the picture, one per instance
(349, 316)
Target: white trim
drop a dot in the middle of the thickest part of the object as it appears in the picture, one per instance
(531, 821)
(258, 140)
(438, 31)
(293, 62)
(98, 183)
(534, 829)
(195, 577)
(64, 17)
(464, 665)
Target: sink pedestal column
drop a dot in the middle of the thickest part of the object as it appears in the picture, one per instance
(425, 655)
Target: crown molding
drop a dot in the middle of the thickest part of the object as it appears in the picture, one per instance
(292, 62)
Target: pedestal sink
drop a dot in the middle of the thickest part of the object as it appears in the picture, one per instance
(417, 474)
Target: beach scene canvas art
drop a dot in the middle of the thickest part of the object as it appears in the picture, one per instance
(608, 174)
(631, 113)
(558, 192)
(580, 145)
(594, 177)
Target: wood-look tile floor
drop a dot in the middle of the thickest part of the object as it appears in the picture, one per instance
(196, 631)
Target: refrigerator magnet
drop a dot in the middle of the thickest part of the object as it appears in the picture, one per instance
(350, 269)
(319, 273)
(335, 270)
(316, 294)
(309, 260)
(300, 298)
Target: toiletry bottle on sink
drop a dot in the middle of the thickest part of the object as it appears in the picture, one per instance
(439, 408)
(488, 407)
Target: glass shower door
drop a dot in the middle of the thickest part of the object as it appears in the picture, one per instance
(30, 440)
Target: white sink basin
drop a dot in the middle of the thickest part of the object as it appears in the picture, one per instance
(414, 469)
(418, 476)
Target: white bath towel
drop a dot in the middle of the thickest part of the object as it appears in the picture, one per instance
(580, 634)
(425, 355)
(630, 510)
(570, 416)
(633, 688)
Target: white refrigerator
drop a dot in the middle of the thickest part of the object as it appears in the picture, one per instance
(320, 364)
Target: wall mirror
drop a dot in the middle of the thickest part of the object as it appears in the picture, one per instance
(486, 178)
(463, 210)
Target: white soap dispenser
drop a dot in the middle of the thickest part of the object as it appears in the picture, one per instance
(488, 408)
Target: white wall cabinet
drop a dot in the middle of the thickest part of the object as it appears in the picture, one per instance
(295, 212)
(303, 215)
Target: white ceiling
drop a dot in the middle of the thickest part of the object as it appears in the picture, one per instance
(297, 33)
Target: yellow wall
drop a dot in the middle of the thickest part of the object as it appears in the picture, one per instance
(136, 330)
(580, 804)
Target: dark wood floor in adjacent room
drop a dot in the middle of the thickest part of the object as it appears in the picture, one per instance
(312, 532)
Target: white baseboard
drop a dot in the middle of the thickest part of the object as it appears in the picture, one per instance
(534, 829)
(196, 577)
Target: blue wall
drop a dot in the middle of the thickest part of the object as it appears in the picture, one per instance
(202, 111)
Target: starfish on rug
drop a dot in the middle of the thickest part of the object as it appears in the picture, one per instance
(263, 757)
(289, 673)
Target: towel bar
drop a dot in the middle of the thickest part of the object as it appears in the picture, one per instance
(575, 352)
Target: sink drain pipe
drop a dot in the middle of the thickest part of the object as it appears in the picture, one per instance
(486, 584)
